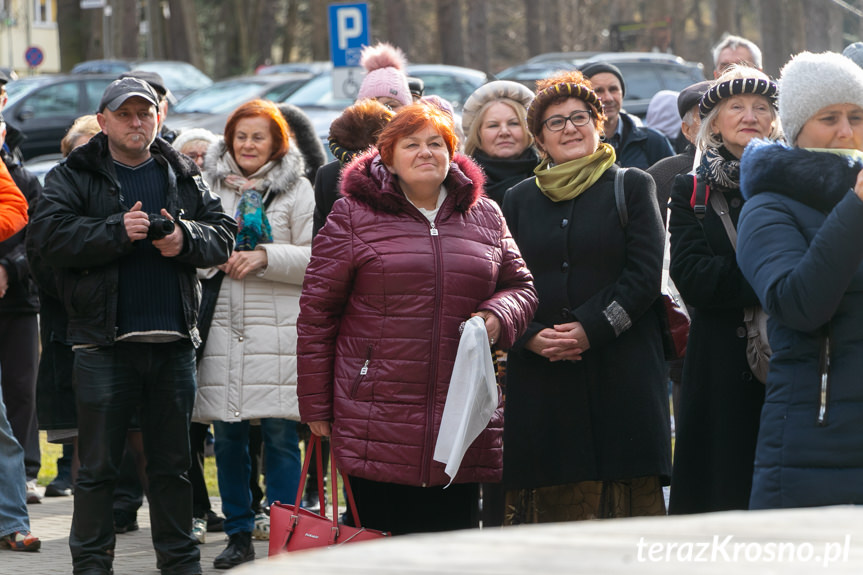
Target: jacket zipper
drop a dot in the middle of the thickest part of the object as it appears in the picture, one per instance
(425, 477)
(363, 371)
(825, 381)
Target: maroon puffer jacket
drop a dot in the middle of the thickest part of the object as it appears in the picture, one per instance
(379, 320)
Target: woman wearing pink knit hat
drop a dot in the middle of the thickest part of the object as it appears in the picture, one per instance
(385, 80)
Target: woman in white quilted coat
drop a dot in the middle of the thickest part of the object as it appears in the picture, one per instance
(248, 370)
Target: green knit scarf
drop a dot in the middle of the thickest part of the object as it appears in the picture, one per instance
(568, 180)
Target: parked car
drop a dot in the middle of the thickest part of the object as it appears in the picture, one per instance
(210, 107)
(453, 83)
(44, 107)
(646, 73)
(316, 67)
(181, 78)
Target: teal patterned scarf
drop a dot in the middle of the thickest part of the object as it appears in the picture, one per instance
(253, 227)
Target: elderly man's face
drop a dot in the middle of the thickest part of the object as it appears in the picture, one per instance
(730, 56)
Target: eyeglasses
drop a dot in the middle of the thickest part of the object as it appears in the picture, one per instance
(558, 123)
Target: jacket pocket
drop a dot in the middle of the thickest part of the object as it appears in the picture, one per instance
(361, 374)
(824, 394)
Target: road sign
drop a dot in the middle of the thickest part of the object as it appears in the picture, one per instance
(349, 32)
(87, 4)
(34, 56)
(346, 82)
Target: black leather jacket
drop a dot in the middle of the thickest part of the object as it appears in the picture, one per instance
(78, 229)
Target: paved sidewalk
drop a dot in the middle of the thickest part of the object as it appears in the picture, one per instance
(51, 520)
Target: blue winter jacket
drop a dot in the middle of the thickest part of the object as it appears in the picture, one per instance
(800, 246)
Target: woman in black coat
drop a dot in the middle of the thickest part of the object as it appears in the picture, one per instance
(586, 431)
(720, 399)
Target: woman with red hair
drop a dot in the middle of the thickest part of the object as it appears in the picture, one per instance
(412, 251)
(248, 367)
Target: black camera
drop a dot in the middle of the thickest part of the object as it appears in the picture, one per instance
(160, 226)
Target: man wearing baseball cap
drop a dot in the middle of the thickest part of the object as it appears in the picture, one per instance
(125, 221)
(636, 146)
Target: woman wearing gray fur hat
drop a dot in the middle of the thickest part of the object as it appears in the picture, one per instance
(801, 248)
(494, 120)
(720, 398)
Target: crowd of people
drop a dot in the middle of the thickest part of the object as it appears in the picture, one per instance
(236, 281)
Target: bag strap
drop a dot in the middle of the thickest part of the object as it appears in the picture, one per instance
(316, 446)
(700, 193)
(720, 206)
(620, 198)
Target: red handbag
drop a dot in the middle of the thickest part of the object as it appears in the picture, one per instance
(293, 528)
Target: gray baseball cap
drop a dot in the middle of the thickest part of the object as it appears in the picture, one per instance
(121, 90)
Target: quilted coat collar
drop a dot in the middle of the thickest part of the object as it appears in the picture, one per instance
(367, 180)
(817, 179)
(93, 156)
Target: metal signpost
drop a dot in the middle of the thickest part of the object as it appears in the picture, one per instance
(349, 32)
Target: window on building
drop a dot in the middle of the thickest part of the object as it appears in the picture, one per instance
(44, 12)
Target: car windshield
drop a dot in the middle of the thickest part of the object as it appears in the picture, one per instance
(220, 97)
(318, 92)
(178, 76)
(20, 88)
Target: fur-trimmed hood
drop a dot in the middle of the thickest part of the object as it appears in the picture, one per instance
(304, 135)
(94, 155)
(367, 180)
(817, 179)
(283, 176)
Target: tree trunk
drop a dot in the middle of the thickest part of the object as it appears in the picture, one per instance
(320, 36)
(449, 23)
(817, 26)
(124, 30)
(552, 38)
(182, 31)
(477, 35)
(289, 30)
(73, 33)
(534, 27)
(265, 32)
(398, 25)
(772, 34)
(725, 12)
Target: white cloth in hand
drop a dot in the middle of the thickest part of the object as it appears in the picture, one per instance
(471, 399)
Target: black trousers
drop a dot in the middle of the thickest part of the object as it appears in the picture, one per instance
(404, 509)
(156, 380)
(19, 359)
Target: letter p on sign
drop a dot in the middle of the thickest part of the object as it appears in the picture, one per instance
(349, 26)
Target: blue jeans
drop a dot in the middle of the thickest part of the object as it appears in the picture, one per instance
(156, 381)
(233, 464)
(13, 494)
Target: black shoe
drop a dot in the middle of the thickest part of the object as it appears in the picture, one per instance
(58, 488)
(239, 550)
(124, 521)
(215, 522)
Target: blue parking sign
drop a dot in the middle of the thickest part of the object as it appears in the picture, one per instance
(349, 32)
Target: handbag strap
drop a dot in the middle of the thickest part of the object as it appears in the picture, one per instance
(314, 442)
(620, 198)
(316, 446)
(720, 206)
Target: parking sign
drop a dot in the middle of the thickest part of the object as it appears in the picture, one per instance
(349, 32)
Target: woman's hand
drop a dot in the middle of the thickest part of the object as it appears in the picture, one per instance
(858, 186)
(492, 325)
(240, 264)
(322, 428)
(563, 342)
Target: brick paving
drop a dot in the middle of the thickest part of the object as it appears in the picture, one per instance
(51, 519)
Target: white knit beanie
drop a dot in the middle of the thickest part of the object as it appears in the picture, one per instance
(809, 82)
